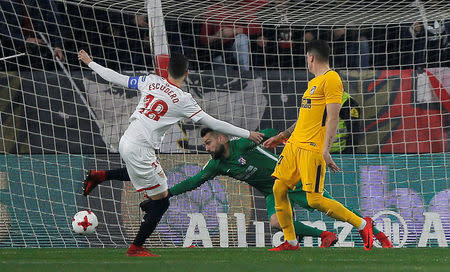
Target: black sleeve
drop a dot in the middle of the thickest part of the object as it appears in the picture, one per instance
(351, 114)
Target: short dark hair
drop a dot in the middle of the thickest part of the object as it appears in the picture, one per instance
(178, 65)
(320, 49)
(207, 130)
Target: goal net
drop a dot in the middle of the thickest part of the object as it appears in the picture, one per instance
(247, 67)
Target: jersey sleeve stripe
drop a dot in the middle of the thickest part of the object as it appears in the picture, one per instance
(266, 153)
(324, 117)
(194, 114)
(318, 173)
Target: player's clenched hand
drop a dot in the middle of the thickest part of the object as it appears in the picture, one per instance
(256, 137)
(84, 57)
(273, 142)
(330, 163)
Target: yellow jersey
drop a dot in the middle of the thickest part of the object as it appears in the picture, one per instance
(310, 130)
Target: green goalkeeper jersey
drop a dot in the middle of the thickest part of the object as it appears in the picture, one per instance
(247, 162)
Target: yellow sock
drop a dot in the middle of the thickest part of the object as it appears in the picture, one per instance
(333, 209)
(284, 210)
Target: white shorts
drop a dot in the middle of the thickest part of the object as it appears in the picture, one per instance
(143, 167)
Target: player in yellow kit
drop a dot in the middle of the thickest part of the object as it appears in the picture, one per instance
(307, 151)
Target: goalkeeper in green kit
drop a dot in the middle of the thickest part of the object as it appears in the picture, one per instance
(243, 160)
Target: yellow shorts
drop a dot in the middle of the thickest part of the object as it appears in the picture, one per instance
(297, 164)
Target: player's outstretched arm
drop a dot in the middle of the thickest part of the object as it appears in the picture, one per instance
(248, 144)
(105, 73)
(276, 140)
(191, 183)
(256, 137)
(228, 128)
(273, 141)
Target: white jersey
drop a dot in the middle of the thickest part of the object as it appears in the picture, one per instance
(161, 105)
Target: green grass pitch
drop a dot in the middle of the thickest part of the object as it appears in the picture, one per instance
(232, 259)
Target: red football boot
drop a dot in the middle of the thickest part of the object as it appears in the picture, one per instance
(138, 251)
(328, 239)
(285, 246)
(384, 241)
(367, 233)
(93, 179)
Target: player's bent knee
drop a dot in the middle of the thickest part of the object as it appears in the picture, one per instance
(280, 189)
(155, 207)
(165, 203)
(145, 205)
(160, 195)
(314, 200)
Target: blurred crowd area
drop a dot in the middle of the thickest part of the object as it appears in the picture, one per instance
(48, 31)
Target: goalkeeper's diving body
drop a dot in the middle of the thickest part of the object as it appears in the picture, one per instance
(245, 161)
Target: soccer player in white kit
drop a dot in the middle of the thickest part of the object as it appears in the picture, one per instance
(162, 104)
